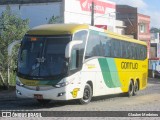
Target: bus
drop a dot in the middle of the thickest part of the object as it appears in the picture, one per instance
(78, 61)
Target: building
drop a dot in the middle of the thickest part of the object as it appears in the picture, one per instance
(155, 46)
(138, 25)
(144, 28)
(74, 11)
(120, 27)
(155, 37)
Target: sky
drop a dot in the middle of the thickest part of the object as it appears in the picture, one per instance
(146, 7)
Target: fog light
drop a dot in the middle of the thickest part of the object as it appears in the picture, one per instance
(19, 92)
(60, 94)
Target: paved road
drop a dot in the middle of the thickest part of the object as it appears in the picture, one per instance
(146, 100)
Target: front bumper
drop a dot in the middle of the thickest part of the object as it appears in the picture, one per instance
(52, 94)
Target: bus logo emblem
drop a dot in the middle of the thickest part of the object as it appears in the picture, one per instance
(75, 92)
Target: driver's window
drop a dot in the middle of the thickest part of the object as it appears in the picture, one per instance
(73, 60)
(81, 35)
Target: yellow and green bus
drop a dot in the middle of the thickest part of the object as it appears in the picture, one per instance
(78, 61)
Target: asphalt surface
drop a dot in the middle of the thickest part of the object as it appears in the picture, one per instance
(146, 100)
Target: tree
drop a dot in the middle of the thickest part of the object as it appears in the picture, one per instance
(154, 30)
(54, 19)
(12, 27)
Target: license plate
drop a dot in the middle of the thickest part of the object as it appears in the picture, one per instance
(38, 96)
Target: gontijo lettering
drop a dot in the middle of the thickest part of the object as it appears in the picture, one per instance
(129, 65)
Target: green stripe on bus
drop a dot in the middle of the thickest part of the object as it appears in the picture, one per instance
(114, 72)
(109, 72)
(106, 72)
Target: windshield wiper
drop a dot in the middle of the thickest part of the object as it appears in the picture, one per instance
(41, 60)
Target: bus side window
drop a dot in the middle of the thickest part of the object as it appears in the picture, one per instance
(123, 50)
(127, 50)
(106, 44)
(112, 48)
(117, 49)
(93, 45)
(145, 52)
(108, 48)
(138, 52)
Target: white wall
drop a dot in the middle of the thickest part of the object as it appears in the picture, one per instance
(75, 13)
(120, 27)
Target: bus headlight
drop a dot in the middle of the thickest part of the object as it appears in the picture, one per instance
(59, 85)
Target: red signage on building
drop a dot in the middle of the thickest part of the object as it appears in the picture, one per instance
(102, 26)
(100, 6)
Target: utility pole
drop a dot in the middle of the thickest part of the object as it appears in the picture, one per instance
(92, 14)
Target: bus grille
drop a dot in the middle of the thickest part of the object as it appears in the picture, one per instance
(40, 88)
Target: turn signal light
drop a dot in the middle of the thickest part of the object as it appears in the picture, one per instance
(33, 38)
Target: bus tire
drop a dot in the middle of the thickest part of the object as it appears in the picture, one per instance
(43, 101)
(130, 89)
(87, 95)
(136, 88)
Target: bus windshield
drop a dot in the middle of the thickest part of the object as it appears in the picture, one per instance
(43, 57)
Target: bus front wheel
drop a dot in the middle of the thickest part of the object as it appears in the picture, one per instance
(87, 95)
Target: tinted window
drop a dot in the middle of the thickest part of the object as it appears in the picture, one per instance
(80, 35)
(44, 57)
(99, 44)
(93, 45)
(106, 45)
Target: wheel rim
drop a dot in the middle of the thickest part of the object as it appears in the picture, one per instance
(136, 87)
(130, 89)
(86, 95)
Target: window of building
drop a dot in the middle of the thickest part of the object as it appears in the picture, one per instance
(142, 28)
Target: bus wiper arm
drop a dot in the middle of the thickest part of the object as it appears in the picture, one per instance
(41, 60)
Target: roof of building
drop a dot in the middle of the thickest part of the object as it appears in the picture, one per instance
(126, 6)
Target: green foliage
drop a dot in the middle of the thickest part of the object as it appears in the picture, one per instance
(12, 28)
(54, 19)
(155, 30)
